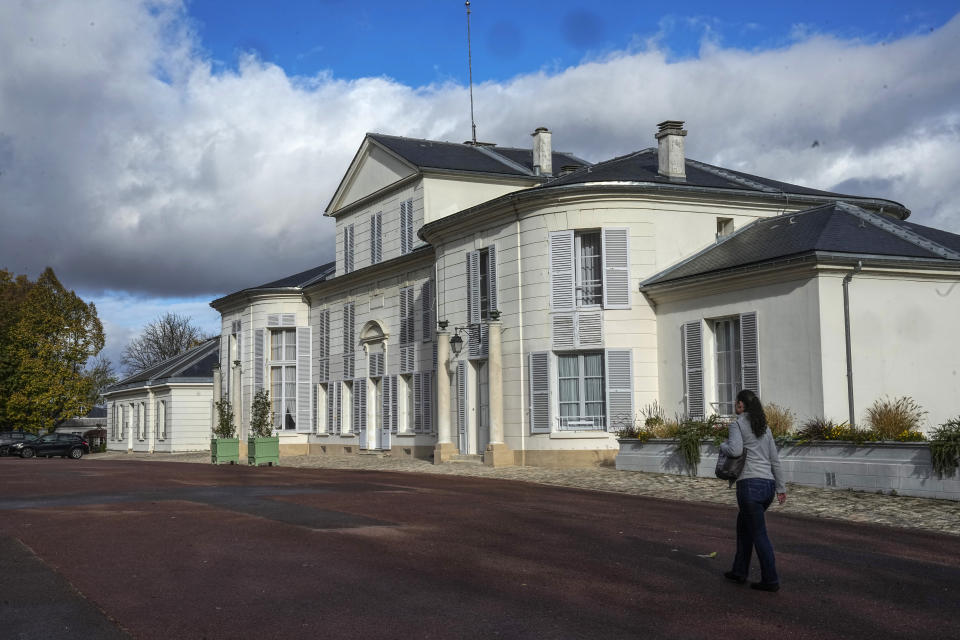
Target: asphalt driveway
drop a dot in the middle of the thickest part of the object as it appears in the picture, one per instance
(103, 549)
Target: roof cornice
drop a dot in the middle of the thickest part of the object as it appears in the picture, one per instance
(528, 198)
(422, 254)
(810, 264)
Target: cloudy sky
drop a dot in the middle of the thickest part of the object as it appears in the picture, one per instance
(159, 154)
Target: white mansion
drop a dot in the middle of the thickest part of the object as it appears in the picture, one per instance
(522, 305)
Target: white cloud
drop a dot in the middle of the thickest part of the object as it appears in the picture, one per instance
(128, 162)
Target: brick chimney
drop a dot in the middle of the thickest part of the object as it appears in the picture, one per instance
(670, 150)
(542, 152)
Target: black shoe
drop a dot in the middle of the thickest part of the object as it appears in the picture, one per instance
(765, 586)
(732, 577)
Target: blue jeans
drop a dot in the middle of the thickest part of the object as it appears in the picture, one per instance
(754, 495)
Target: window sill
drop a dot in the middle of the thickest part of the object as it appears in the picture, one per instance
(577, 435)
(406, 435)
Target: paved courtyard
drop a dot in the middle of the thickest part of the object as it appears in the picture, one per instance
(116, 546)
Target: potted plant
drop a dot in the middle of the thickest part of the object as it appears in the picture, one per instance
(262, 446)
(224, 446)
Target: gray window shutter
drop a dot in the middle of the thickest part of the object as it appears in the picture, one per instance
(749, 352)
(540, 419)
(473, 287)
(315, 426)
(349, 340)
(492, 277)
(693, 367)
(462, 404)
(259, 335)
(338, 409)
(331, 403)
(417, 403)
(616, 268)
(385, 412)
(589, 329)
(619, 370)
(407, 315)
(564, 331)
(394, 411)
(562, 280)
(406, 226)
(304, 379)
(426, 310)
(323, 345)
(408, 363)
(426, 401)
(348, 248)
(273, 320)
(479, 339)
(355, 407)
(376, 237)
(288, 319)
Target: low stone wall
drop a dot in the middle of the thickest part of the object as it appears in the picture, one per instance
(895, 467)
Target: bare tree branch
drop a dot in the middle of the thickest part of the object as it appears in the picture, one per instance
(169, 335)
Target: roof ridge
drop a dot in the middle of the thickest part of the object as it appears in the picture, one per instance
(912, 237)
(733, 176)
(489, 152)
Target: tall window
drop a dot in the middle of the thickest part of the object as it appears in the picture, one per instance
(582, 398)
(589, 268)
(283, 378)
(485, 283)
(727, 334)
(160, 420)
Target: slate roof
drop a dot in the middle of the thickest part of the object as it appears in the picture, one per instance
(193, 364)
(832, 228)
(301, 279)
(456, 156)
(295, 281)
(643, 166)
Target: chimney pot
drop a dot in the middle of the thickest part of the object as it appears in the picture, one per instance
(670, 155)
(542, 152)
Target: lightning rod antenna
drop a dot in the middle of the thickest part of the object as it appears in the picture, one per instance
(473, 124)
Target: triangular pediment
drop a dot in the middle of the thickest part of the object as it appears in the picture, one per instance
(373, 168)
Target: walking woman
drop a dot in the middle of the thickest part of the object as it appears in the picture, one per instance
(756, 485)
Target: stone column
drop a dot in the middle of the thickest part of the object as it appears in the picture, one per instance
(497, 453)
(444, 449)
(236, 399)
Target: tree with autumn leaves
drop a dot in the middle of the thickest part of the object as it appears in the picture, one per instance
(47, 336)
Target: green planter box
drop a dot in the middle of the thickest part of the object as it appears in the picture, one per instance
(263, 451)
(225, 451)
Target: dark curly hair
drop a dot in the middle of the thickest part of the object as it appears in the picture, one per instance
(751, 403)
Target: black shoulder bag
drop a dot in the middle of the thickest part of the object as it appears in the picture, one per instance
(729, 467)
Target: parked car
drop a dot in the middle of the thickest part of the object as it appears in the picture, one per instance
(53, 444)
(8, 438)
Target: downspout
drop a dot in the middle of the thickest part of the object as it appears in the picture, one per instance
(523, 368)
(846, 327)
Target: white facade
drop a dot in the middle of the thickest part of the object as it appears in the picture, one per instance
(425, 257)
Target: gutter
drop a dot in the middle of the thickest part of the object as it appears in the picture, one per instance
(846, 329)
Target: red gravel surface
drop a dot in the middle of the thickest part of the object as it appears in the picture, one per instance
(169, 550)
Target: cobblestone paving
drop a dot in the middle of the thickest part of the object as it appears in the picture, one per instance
(895, 511)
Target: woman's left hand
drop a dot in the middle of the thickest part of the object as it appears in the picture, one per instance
(781, 498)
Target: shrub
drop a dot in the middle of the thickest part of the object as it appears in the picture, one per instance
(945, 448)
(816, 428)
(260, 425)
(668, 429)
(779, 419)
(692, 432)
(653, 415)
(889, 418)
(225, 427)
